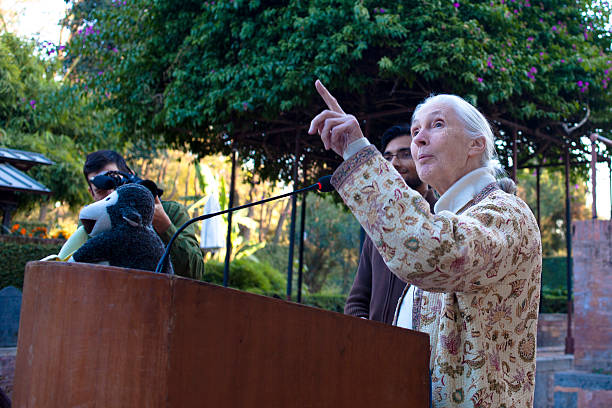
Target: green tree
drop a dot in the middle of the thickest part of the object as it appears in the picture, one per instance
(331, 245)
(56, 118)
(211, 75)
(552, 205)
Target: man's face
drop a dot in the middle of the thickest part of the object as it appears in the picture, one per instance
(96, 193)
(398, 154)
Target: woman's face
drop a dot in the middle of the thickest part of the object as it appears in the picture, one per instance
(441, 149)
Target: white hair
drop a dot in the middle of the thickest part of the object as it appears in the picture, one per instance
(476, 125)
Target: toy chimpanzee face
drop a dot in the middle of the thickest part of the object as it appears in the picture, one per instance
(95, 217)
(130, 205)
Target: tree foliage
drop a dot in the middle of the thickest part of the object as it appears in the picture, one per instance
(212, 75)
(552, 205)
(41, 114)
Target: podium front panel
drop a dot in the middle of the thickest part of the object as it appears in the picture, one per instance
(99, 336)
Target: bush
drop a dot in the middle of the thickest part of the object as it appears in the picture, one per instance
(554, 272)
(246, 274)
(554, 301)
(331, 302)
(261, 278)
(15, 255)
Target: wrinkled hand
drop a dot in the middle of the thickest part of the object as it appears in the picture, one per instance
(337, 129)
(161, 222)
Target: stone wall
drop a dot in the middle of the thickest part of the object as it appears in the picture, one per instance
(589, 384)
(552, 329)
(592, 320)
(582, 390)
(7, 369)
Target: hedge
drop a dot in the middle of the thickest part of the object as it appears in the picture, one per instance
(554, 301)
(262, 279)
(16, 252)
(554, 272)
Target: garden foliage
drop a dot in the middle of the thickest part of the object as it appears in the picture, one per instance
(203, 74)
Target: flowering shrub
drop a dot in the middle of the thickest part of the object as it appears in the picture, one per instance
(61, 234)
(18, 230)
(200, 74)
(37, 231)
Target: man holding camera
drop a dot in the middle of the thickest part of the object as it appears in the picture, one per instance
(185, 253)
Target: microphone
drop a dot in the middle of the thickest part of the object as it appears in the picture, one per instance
(323, 185)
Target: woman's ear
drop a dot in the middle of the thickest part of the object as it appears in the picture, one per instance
(477, 146)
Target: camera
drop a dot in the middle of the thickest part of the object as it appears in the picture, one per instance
(110, 180)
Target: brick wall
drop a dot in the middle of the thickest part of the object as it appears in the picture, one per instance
(592, 253)
(552, 329)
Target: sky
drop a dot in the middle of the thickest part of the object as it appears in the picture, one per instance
(39, 19)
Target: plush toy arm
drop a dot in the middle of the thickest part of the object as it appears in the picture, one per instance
(70, 246)
(96, 249)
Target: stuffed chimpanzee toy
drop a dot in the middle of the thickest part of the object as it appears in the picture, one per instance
(121, 231)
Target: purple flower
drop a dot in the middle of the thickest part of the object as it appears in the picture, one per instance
(554, 28)
(562, 60)
(533, 70)
(33, 103)
(479, 79)
(579, 83)
(100, 72)
(456, 4)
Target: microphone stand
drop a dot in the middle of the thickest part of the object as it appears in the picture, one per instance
(322, 185)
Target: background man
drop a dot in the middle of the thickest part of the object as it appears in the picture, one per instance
(376, 290)
(185, 254)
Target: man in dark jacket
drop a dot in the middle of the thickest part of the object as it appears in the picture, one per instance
(185, 253)
(376, 290)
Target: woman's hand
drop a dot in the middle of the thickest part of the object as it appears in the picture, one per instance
(337, 129)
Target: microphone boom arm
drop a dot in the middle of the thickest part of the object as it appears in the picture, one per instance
(321, 186)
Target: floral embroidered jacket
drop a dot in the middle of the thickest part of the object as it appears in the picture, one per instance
(480, 274)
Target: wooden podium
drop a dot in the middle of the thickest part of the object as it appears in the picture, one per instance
(101, 336)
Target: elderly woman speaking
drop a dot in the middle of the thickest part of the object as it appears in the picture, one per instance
(474, 266)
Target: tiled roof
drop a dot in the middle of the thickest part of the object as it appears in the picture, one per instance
(20, 156)
(15, 180)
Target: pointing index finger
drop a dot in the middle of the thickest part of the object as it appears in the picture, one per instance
(330, 101)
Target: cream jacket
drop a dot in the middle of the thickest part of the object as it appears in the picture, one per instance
(479, 271)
